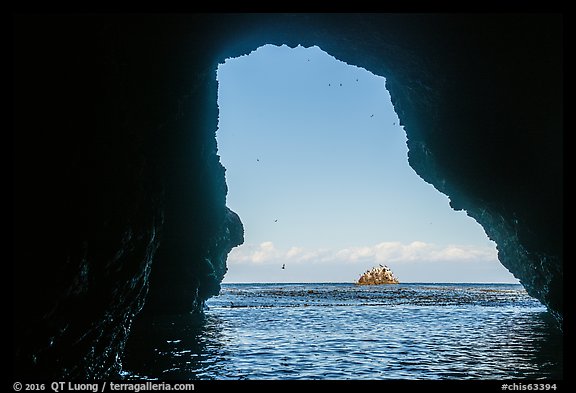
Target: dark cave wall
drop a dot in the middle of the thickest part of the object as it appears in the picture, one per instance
(493, 140)
(86, 224)
(119, 196)
(115, 167)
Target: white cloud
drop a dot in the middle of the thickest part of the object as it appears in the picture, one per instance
(294, 252)
(385, 252)
(260, 254)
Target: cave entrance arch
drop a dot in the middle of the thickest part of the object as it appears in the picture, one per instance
(317, 170)
(113, 90)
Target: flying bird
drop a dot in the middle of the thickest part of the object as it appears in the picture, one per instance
(371, 115)
(283, 266)
(276, 220)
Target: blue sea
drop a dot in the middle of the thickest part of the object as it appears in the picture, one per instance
(341, 331)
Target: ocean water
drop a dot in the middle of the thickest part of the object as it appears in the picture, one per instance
(347, 332)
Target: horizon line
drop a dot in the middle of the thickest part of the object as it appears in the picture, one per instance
(353, 282)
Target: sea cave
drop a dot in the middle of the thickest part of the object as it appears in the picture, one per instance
(119, 195)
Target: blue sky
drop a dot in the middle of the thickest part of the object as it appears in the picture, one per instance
(316, 167)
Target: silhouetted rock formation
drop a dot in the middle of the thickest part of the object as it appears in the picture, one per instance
(378, 275)
(118, 188)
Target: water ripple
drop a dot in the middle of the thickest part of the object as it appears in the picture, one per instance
(343, 331)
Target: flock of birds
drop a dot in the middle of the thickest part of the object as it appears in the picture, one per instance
(258, 159)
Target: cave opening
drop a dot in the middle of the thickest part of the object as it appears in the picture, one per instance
(316, 167)
(120, 208)
(310, 215)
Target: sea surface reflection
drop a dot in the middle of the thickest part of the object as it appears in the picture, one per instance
(344, 331)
